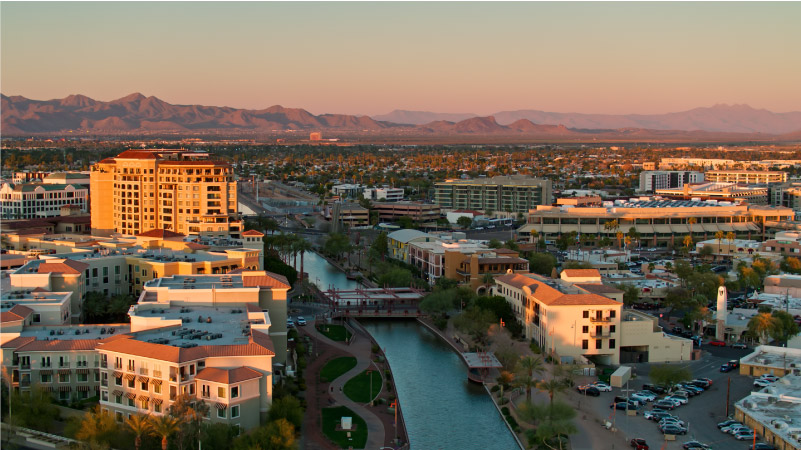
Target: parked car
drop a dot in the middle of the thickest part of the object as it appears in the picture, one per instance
(656, 389)
(642, 398)
(703, 384)
(726, 367)
(639, 444)
(769, 377)
(290, 323)
(693, 390)
(717, 343)
(734, 363)
(601, 386)
(619, 398)
(622, 406)
(744, 435)
(708, 380)
(680, 400)
(735, 429)
(656, 414)
(739, 345)
(695, 445)
(727, 423)
(673, 429)
(665, 404)
(761, 383)
(589, 390)
(761, 446)
(301, 321)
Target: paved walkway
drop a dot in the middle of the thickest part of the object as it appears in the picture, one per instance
(361, 348)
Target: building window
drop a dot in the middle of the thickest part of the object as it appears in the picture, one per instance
(221, 392)
(132, 383)
(145, 404)
(221, 413)
(611, 343)
(157, 388)
(47, 378)
(104, 395)
(37, 318)
(586, 315)
(118, 416)
(156, 407)
(63, 378)
(612, 313)
(118, 381)
(585, 329)
(611, 328)
(143, 386)
(118, 399)
(235, 412)
(585, 344)
(83, 377)
(235, 392)
(131, 402)
(598, 343)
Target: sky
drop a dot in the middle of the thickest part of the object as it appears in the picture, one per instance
(371, 58)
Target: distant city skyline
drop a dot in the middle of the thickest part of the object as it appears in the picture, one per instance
(372, 58)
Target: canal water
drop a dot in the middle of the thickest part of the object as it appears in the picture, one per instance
(442, 410)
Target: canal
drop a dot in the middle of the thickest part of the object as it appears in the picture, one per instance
(442, 410)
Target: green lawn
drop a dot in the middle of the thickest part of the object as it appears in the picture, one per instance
(336, 367)
(331, 419)
(334, 332)
(358, 387)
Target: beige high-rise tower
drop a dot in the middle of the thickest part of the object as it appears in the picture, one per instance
(176, 190)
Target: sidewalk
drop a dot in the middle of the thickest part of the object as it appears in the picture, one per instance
(360, 348)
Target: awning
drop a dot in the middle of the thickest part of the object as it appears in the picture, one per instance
(680, 229)
(158, 401)
(156, 381)
(131, 395)
(221, 405)
(48, 389)
(83, 388)
(117, 393)
(65, 388)
(712, 227)
(663, 229)
(82, 371)
(143, 379)
(143, 397)
(130, 376)
(64, 371)
(46, 372)
(116, 374)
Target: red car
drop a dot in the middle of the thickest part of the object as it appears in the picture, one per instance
(717, 343)
(639, 444)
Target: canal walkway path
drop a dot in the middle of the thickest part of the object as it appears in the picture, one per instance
(361, 348)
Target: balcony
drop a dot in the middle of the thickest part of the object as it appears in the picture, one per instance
(144, 371)
(602, 334)
(64, 364)
(104, 364)
(601, 319)
(104, 383)
(157, 374)
(24, 366)
(118, 366)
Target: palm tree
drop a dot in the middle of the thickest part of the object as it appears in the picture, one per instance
(619, 235)
(719, 235)
(140, 425)
(303, 246)
(552, 386)
(526, 369)
(762, 325)
(165, 426)
(688, 241)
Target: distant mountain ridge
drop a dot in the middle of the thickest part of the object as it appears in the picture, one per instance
(138, 114)
(718, 118)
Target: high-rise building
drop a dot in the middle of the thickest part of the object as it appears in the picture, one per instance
(650, 180)
(176, 190)
(517, 193)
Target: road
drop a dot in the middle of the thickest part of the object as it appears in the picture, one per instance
(702, 413)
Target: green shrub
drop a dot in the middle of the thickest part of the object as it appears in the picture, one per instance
(375, 348)
(505, 411)
(495, 388)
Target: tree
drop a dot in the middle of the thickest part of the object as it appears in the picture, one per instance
(527, 368)
(688, 242)
(395, 277)
(762, 326)
(552, 387)
(505, 379)
(475, 322)
(785, 328)
(303, 246)
(287, 408)
(552, 421)
(464, 221)
(494, 243)
(706, 252)
(406, 222)
(380, 244)
(542, 263)
(511, 245)
(336, 245)
(678, 298)
(667, 375)
(631, 294)
(165, 426)
(189, 415)
(97, 428)
(140, 426)
(438, 302)
(719, 235)
(619, 236)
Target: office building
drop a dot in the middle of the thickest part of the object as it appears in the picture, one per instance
(184, 192)
(658, 221)
(721, 191)
(419, 212)
(651, 180)
(384, 194)
(746, 176)
(516, 193)
(30, 200)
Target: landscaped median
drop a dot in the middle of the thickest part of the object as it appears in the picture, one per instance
(334, 332)
(331, 424)
(336, 368)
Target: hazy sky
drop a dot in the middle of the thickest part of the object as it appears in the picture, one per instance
(371, 58)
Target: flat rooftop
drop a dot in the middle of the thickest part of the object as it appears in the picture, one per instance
(778, 407)
(770, 356)
(27, 296)
(201, 325)
(75, 332)
(217, 281)
(163, 255)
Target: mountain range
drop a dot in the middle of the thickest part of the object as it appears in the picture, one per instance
(138, 114)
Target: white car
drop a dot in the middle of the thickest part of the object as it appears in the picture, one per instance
(769, 377)
(644, 395)
(680, 400)
(603, 387)
(761, 383)
(301, 321)
(673, 420)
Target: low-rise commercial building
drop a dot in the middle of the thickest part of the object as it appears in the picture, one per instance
(386, 194)
(429, 256)
(774, 413)
(720, 191)
(768, 359)
(419, 212)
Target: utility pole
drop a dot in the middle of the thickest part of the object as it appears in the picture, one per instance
(728, 391)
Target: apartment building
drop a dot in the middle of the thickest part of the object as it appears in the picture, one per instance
(419, 212)
(720, 191)
(34, 307)
(575, 325)
(659, 221)
(27, 201)
(385, 194)
(471, 269)
(651, 180)
(176, 190)
(515, 193)
(209, 337)
(746, 176)
(429, 256)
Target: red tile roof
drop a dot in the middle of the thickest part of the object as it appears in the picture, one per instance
(584, 299)
(8, 316)
(227, 376)
(18, 341)
(160, 233)
(252, 233)
(67, 266)
(261, 346)
(196, 246)
(582, 273)
(272, 280)
(59, 346)
(550, 296)
(137, 154)
(204, 162)
(252, 307)
(598, 288)
(40, 289)
(504, 251)
(107, 161)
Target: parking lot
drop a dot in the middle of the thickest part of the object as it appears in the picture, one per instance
(701, 414)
